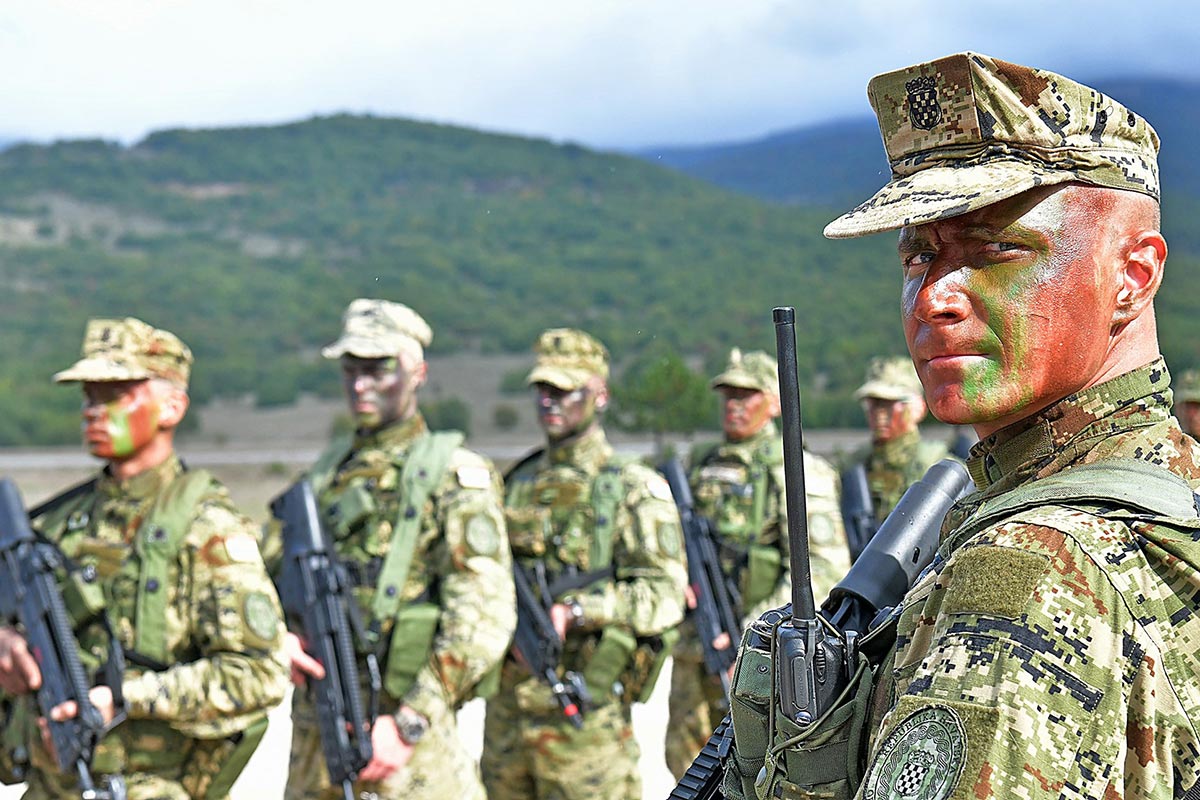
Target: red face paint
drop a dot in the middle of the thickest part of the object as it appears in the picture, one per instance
(889, 419)
(564, 413)
(745, 412)
(1008, 309)
(119, 417)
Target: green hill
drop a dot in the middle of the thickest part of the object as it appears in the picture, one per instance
(249, 242)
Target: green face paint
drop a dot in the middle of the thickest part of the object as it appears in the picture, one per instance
(119, 420)
(120, 437)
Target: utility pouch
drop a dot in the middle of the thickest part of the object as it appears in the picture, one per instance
(824, 759)
(352, 507)
(763, 568)
(83, 595)
(749, 703)
(412, 642)
(612, 654)
(647, 664)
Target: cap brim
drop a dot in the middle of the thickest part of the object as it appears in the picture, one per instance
(359, 346)
(737, 381)
(883, 391)
(559, 377)
(940, 193)
(99, 370)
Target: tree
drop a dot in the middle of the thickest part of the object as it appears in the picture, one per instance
(660, 394)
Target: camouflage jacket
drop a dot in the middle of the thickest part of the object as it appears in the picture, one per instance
(727, 481)
(460, 563)
(552, 524)
(223, 666)
(894, 466)
(1055, 653)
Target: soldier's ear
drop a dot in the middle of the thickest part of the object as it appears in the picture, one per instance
(172, 403)
(1140, 273)
(773, 407)
(599, 391)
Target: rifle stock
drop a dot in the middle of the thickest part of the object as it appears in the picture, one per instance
(30, 595)
(316, 598)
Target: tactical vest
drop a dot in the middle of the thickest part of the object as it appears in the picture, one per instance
(738, 513)
(404, 629)
(776, 758)
(155, 547)
(569, 529)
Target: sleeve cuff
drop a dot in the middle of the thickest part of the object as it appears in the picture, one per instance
(427, 697)
(139, 691)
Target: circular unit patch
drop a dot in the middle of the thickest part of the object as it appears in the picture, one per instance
(922, 759)
(482, 536)
(260, 616)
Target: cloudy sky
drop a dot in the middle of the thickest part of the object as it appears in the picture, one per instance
(607, 73)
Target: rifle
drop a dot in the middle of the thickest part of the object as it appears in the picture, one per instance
(538, 645)
(858, 513)
(716, 599)
(316, 598)
(29, 594)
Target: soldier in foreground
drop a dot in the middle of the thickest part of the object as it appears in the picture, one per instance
(1050, 651)
(738, 485)
(897, 456)
(580, 516)
(393, 488)
(1187, 402)
(184, 587)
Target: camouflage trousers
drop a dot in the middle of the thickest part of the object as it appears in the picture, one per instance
(139, 785)
(440, 766)
(695, 705)
(531, 752)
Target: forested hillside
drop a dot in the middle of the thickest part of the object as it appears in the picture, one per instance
(249, 243)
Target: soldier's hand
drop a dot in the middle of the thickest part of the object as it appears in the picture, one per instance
(689, 596)
(102, 699)
(303, 665)
(391, 753)
(560, 618)
(19, 673)
(722, 641)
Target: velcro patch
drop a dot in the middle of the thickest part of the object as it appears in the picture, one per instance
(659, 489)
(242, 548)
(723, 474)
(473, 477)
(998, 581)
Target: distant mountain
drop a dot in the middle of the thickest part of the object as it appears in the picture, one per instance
(840, 163)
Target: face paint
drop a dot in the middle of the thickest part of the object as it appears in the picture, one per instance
(119, 418)
(890, 419)
(379, 390)
(564, 413)
(1007, 309)
(745, 412)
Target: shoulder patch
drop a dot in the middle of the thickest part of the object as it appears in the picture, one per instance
(659, 489)
(260, 616)
(921, 759)
(242, 548)
(473, 477)
(482, 535)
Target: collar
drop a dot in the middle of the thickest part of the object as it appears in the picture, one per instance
(145, 485)
(589, 452)
(1064, 432)
(766, 434)
(394, 435)
(896, 450)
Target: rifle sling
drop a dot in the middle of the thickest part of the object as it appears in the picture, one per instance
(578, 580)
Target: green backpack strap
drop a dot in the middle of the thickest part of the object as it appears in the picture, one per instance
(1139, 488)
(608, 490)
(156, 544)
(331, 458)
(425, 464)
(53, 517)
(769, 454)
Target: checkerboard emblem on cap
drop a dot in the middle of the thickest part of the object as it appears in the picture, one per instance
(923, 107)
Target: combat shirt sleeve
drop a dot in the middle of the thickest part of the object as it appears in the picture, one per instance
(479, 611)
(231, 619)
(651, 571)
(829, 555)
(1021, 672)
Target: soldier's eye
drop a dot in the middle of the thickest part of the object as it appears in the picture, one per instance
(1002, 247)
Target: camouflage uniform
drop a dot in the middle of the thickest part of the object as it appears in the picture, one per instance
(555, 503)
(461, 572)
(1053, 647)
(727, 481)
(894, 465)
(1187, 399)
(204, 664)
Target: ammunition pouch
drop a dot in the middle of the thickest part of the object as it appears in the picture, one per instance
(621, 659)
(764, 565)
(413, 631)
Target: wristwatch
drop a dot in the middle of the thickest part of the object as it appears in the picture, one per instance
(411, 725)
(575, 610)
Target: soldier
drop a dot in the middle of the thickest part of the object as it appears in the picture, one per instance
(395, 487)
(738, 485)
(1051, 648)
(579, 514)
(1187, 400)
(897, 456)
(184, 586)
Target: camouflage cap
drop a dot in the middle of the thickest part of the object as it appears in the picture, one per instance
(753, 370)
(1187, 387)
(891, 378)
(969, 130)
(568, 358)
(128, 350)
(380, 329)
